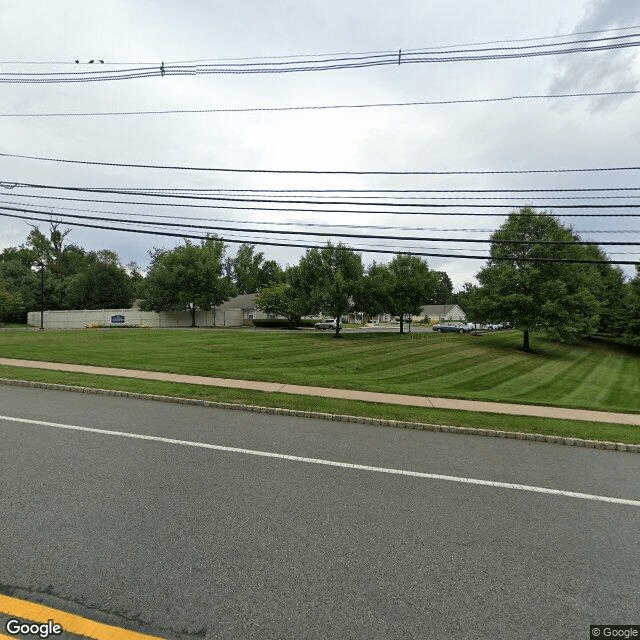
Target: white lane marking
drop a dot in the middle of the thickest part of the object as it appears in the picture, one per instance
(332, 463)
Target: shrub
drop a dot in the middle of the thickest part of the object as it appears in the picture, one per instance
(281, 323)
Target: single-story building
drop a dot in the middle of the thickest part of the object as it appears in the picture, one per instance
(440, 312)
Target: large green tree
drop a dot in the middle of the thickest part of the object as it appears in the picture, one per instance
(401, 287)
(631, 302)
(327, 279)
(101, 284)
(525, 284)
(411, 285)
(21, 282)
(189, 277)
(48, 248)
(443, 290)
(607, 283)
(472, 301)
(10, 304)
(251, 272)
(282, 300)
(372, 291)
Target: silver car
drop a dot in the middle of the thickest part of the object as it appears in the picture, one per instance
(327, 323)
(454, 328)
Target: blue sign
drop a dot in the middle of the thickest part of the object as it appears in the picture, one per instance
(117, 319)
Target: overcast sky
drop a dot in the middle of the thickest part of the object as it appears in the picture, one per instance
(519, 134)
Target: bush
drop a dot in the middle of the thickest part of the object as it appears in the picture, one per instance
(281, 323)
(272, 324)
(97, 325)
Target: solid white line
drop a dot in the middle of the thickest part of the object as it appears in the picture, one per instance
(331, 463)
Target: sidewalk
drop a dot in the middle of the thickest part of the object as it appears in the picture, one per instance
(344, 394)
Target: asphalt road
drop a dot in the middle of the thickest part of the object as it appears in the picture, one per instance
(185, 541)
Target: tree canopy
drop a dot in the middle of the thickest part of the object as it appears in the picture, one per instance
(251, 272)
(399, 288)
(189, 277)
(523, 286)
(631, 319)
(327, 279)
(282, 300)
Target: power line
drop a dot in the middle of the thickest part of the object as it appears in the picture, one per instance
(307, 246)
(432, 48)
(311, 171)
(307, 210)
(9, 185)
(299, 224)
(326, 234)
(355, 203)
(326, 63)
(374, 105)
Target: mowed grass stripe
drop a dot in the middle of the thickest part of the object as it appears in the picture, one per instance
(400, 365)
(462, 378)
(488, 367)
(599, 373)
(625, 391)
(546, 381)
(577, 384)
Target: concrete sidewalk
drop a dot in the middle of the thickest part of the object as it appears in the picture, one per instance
(344, 394)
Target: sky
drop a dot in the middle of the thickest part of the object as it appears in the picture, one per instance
(522, 134)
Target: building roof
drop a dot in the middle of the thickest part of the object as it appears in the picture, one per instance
(437, 309)
(243, 301)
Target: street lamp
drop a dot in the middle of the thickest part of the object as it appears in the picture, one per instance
(41, 265)
(34, 268)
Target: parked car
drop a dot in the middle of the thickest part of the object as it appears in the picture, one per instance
(327, 323)
(454, 328)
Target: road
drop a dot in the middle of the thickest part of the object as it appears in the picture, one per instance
(184, 540)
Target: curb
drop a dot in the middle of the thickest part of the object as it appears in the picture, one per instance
(379, 422)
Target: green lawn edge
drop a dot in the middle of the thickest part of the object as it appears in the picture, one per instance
(490, 367)
(611, 432)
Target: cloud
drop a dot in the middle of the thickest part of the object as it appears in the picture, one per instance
(616, 70)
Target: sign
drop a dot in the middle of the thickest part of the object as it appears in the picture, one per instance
(117, 319)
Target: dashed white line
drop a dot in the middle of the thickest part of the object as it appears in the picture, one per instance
(331, 463)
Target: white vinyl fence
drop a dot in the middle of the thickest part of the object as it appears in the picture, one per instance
(134, 317)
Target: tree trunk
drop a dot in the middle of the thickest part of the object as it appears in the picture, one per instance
(337, 333)
(525, 340)
(402, 323)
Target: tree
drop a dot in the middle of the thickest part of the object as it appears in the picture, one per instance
(607, 284)
(521, 285)
(472, 300)
(187, 277)
(251, 272)
(48, 249)
(270, 273)
(10, 304)
(326, 279)
(21, 283)
(372, 291)
(443, 290)
(282, 300)
(399, 288)
(136, 279)
(631, 330)
(102, 284)
(411, 285)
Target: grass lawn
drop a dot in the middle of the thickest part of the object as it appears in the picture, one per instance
(547, 426)
(485, 367)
